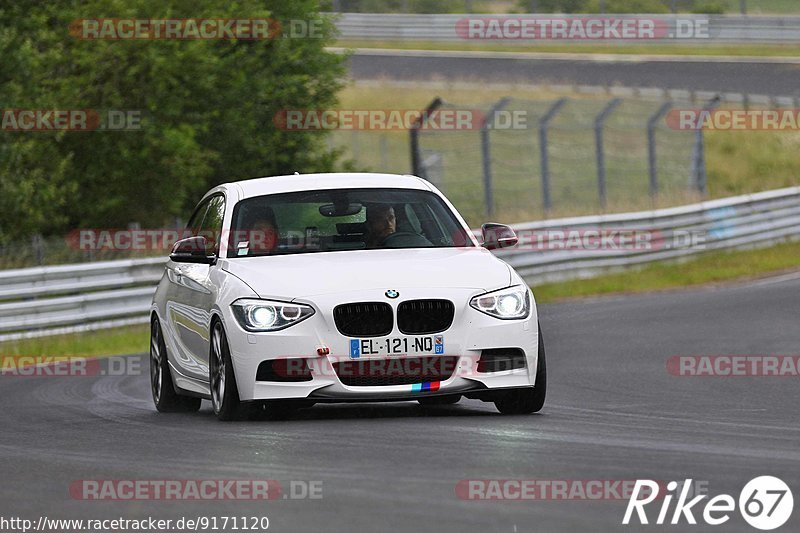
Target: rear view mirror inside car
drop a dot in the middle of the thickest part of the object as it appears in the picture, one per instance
(340, 210)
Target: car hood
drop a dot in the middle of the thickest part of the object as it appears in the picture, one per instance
(303, 275)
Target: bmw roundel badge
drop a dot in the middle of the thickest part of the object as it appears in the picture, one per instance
(391, 293)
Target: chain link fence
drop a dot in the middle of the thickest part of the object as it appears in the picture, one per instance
(565, 156)
(616, 150)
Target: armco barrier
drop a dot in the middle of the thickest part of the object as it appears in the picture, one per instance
(47, 300)
(60, 299)
(443, 28)
(739, 222)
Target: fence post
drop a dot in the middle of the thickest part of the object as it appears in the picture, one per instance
(743, 6)
(651, 146)
(416, 156)
(37, 243)
(544, 123)
(599, 122)
(698, 176)
(488, 191)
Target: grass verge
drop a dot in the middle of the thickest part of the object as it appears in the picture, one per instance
(119, 341)
(711, 267)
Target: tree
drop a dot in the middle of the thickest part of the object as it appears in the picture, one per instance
(206, 107)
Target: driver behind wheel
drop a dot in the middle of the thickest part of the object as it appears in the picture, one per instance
(381, 223)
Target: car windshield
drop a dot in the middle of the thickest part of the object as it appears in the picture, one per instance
(343, 219)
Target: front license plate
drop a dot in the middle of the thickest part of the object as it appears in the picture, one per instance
(426, 345)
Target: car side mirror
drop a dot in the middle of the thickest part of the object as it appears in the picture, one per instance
(498, 236)
(193, 250)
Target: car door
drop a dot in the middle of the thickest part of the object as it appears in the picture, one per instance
(192, 294)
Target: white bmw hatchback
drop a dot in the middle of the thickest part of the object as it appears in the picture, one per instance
(295, 290)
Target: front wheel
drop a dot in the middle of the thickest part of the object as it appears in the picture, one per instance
(224, 392)
(530, 399)
(164, 395)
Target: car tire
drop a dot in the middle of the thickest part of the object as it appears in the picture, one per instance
(222, 381)
(166, 399)
(530, 399)
(439, 400)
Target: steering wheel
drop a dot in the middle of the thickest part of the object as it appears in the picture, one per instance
(403, 239)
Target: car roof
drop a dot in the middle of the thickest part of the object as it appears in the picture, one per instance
(312, 182)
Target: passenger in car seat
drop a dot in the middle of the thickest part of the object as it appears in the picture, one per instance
(263, 232)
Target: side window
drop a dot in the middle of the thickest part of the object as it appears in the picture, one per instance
(193, 227)
(211, 227)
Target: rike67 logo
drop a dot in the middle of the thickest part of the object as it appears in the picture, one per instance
(766, 503)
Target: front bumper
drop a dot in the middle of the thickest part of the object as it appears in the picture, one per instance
(470, 334)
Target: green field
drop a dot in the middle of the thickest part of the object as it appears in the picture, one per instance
(119, 341)
(708, 268)
(762, 7)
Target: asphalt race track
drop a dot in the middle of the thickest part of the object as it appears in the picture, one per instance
(756, 77)
(613, 413)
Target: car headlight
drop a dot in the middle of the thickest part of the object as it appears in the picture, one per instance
(506, 304)
(266, 315)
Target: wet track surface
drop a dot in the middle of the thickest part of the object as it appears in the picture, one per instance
(613, 413)
(773, 79)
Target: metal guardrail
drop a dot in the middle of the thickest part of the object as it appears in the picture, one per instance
(61, 299)
(47, 300)
(721, 28)
(740, 222)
